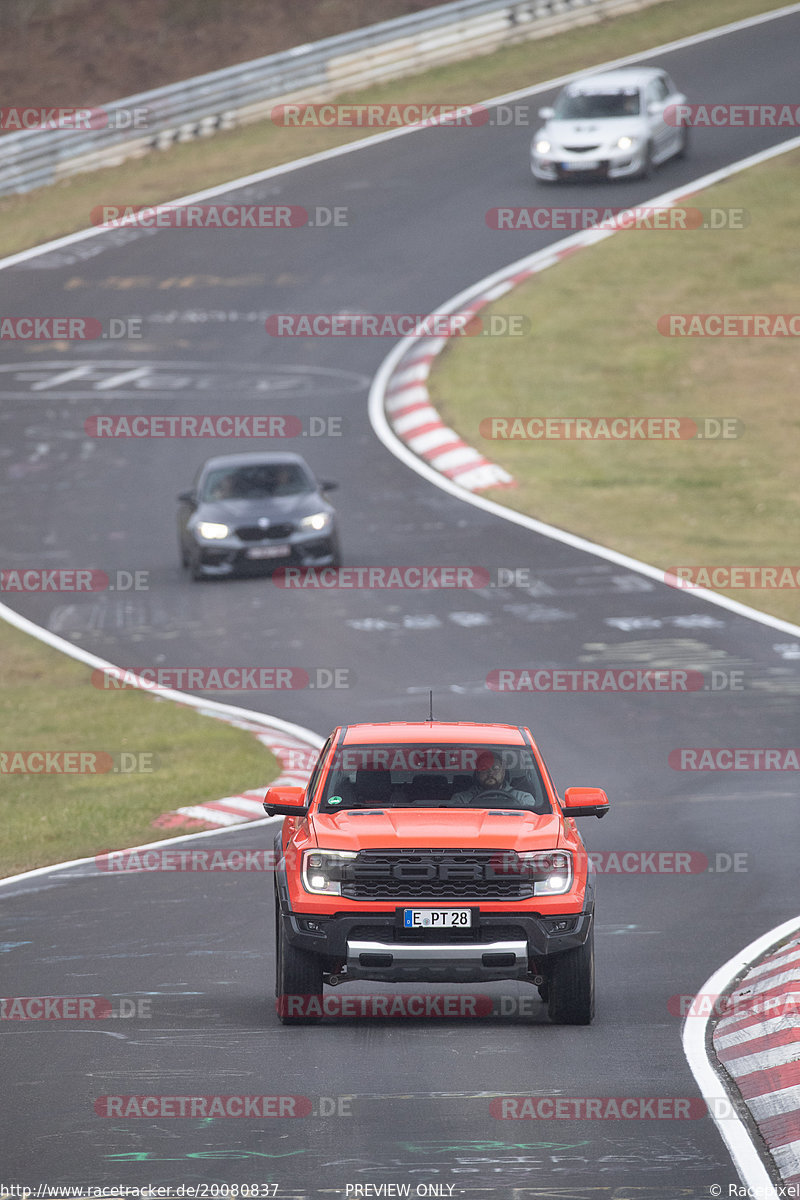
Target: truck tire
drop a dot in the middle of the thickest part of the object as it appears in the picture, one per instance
(570, 998)
(297, 974)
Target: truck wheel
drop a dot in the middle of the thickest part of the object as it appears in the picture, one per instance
(298, 983)
(571, 992)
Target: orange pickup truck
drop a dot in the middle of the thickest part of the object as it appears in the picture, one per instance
(433, 852)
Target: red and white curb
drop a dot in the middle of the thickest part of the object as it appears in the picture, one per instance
(417, 423)
(296, 758)
(400, 387)
(761, 1052)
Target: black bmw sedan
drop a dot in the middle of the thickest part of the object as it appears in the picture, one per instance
(248, 513)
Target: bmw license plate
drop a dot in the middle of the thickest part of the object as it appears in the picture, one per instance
(281, 550)
(437, 918)
(581, 166)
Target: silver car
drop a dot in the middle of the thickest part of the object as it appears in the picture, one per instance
(616, 125)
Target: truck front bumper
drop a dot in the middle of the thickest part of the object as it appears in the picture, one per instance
(375, 946)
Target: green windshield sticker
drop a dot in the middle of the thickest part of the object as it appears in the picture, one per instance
(335, 800)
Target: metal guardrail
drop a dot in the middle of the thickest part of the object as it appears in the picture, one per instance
(319, 71)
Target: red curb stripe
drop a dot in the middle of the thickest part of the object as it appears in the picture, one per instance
(757, 1045)
(445, 448)
(780, 1129)
(773, 1079)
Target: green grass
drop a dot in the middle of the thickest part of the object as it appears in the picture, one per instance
(47, 702)
(165, 175)
(594, 350)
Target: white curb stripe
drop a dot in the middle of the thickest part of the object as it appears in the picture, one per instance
(240, 804)
(788, 1160)
(457, 458)
(751, 1033)
(424, 415)
(754, 1064)
(770, 964)
(199, 812)
(775, 1104)
(423, 443)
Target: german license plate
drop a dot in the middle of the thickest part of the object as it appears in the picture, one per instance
(581, 166)
(281, 550)
(437, 918)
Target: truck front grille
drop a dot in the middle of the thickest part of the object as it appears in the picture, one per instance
(440, 875)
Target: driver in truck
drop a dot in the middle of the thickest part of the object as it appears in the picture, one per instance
(490, 776)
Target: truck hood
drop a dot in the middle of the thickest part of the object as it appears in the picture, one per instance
(433, 828)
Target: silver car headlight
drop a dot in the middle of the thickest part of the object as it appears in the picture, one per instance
(625, 142)
(320, 520)
(542, 146)
(211, 531)
(323, 870)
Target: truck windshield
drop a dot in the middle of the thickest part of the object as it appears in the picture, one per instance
(430, 776)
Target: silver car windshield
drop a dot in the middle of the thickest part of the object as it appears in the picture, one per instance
(593, 105)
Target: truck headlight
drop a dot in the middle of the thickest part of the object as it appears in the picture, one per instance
(324, 871)
(550, 870)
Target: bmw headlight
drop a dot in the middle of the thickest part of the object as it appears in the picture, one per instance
(317, 521)
(211, 531)
(324, 870)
